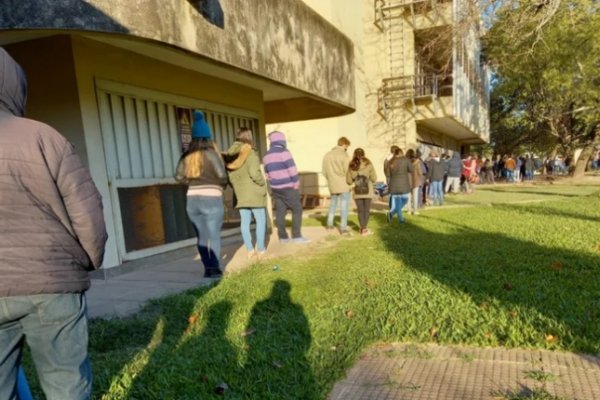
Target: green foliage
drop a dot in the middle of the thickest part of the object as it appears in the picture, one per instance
(547, 87)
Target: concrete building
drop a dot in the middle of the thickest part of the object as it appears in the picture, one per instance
(120, 78)
(419, 83)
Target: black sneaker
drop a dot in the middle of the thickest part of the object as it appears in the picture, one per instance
(213, 273)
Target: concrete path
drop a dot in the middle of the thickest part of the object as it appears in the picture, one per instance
(124, 295)
(432, 372)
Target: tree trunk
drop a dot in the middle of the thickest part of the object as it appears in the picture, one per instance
(583, 160)
(587, 152)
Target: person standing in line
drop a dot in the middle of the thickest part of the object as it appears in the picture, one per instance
(488, 171)
(454, 172)
(361, 168)
(417, 180)
(52, 234)
(424, 184)
(250, 190)
(335, 165)
(596, 161)
(398, 174)
(202, 169)
(285, 184)
(435, 175)
(517, 173)
(393, 150)
(468, 172)
(510, 166)
(529, 167)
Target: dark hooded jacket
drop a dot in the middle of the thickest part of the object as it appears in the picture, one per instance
(455, 166)
(51, 223)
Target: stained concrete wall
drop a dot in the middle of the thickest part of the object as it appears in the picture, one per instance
(366, 128)
(52, 88)
(284, 40)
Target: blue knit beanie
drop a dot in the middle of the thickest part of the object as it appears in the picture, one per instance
(200, 129)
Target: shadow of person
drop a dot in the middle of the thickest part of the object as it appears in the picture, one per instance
(278, 337)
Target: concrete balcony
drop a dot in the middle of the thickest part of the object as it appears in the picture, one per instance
(301, 63)
(440, 103)
(422, 13)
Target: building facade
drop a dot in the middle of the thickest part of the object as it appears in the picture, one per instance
(419, 80)
(120, 79)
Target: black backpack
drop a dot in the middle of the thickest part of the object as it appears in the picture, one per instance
(361, 184)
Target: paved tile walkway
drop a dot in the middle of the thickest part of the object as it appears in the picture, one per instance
(432, 372)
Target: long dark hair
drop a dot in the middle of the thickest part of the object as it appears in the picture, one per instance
(359, 155)
(397, 154)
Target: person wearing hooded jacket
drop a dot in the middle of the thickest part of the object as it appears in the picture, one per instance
(284, 181)
(455, 167)
(52, 233)
(203, 170)
(435, 174)
(399, 174)
(250, 189)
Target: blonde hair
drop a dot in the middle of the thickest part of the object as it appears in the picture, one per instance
(244, 135)
(193, 164)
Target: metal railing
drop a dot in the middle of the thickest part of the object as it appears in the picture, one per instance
(396, 91)
(389, 9)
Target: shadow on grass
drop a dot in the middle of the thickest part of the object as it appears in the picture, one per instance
(196, 353)
(547, 212)
(558, 287)
(519, 190)
(278, 339)
(320, 217)
(146, 336)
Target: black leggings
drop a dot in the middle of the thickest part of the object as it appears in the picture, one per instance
(364, 208)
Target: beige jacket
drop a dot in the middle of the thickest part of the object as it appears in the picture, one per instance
(335, 165)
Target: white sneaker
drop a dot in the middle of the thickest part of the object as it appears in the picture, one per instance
(301, 240)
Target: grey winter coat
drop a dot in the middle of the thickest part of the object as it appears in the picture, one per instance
(51, 223)
(435, 170)
(398, 173)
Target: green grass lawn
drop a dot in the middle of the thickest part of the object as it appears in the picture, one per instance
(490, 274)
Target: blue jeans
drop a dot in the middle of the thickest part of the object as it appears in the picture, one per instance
(436, 192)
(261, 227)
(529, 174)
(510, 175)
(206, 214)
(344, 206)
(55, 329)
(398, 201)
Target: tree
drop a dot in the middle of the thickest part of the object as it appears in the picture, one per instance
(546, 55)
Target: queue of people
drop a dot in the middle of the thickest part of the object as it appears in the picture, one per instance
(349, 176)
